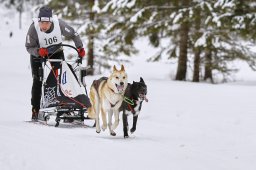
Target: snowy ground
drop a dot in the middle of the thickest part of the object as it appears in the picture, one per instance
(185, 126)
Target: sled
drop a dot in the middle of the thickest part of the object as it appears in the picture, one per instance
(64, 95)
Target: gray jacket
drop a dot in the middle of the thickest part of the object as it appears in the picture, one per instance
(32, 43)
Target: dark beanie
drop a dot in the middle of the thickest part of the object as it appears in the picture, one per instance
(45, 14)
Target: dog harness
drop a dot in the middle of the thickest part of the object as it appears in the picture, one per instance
(96, 83)
(130, 103)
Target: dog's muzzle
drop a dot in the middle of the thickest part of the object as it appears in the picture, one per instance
(143, 97)
(120, 88)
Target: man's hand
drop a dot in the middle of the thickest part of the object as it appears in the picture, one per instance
(43, 52)
(81, 52)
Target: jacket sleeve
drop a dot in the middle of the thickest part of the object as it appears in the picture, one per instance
(32, 43)
(69, 32)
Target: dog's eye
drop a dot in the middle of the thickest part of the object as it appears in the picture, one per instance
(117, 77)
(124, 77)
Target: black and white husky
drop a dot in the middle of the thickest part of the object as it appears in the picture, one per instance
(135, 94)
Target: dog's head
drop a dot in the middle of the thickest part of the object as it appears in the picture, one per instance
(140, 90)
(118, 80)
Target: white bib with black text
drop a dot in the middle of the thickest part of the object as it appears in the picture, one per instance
(48, 39)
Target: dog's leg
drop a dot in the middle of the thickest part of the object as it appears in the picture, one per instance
(134, 123)
(125, 124)
(110, 114)
(114, 126)
(97, 120)
(94, 110)
(97, 112)
(104, 119)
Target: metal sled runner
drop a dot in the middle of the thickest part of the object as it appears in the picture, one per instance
(64, 94)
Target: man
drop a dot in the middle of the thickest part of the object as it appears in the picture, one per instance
(46, 30)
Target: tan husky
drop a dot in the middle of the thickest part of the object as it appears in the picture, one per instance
(106, 95)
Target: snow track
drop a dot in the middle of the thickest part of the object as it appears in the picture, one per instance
(184, 125)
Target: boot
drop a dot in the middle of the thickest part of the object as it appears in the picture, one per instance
(35, 114)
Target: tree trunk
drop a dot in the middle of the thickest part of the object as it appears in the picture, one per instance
(196, 73)
(12, 2)
(90, 58)
(183, 45)
(20, 20)
(197, 50)
(20, 10)
(208, 66)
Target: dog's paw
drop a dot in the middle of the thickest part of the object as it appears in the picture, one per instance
(97, 131)
(104, 127)
(132, 130)
(114, 126)
(112, 133)
(126, 136)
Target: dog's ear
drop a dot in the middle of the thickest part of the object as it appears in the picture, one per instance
(141, 80)
(114, 68)
(122, 68)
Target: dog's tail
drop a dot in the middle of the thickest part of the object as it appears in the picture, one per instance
(93, 96)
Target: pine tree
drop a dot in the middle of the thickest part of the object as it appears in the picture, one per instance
(196, 49)
(183, 43)
(225, 36)
(209, 32)
(84, 15)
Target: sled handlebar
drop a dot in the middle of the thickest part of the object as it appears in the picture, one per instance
(60, 60)
(79, 60)
(63, 45)
(43, 60)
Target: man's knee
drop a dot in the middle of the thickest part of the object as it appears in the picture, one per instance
(37, 79)
(37, 82)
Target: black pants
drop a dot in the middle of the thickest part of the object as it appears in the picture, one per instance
(36, 91)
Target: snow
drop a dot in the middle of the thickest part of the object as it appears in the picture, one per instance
(202, 40)
(95, 7)
(184, 125)
(177, 18)
(137, 16)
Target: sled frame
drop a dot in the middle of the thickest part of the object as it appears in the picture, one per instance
(67, 112)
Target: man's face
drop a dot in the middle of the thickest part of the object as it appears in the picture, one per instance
(45, 25)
